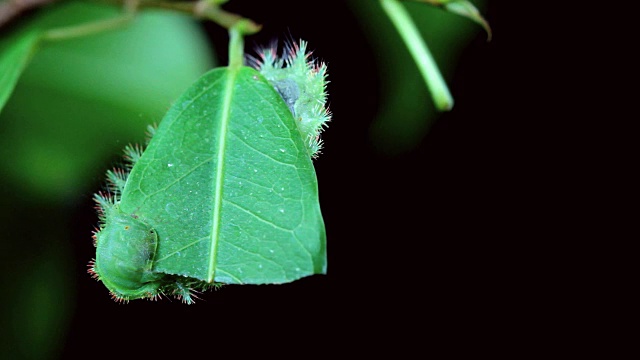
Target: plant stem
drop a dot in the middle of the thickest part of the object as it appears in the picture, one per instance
(11, 9)
(204, 9)
(129, 8)
(95, 27)
(420, 52)
(236, 47)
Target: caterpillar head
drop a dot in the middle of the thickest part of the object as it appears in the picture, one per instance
(125, 248)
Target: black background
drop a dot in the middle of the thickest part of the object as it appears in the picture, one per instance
(424, 248)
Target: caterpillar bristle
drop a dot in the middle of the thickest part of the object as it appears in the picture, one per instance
(104, 202)
(188, 297)
(92, 270)
(291, 49)
(120, 300)
(263, 55)
(184, 294)
(194, 295)
(153, 297)
(116, 179)
(184, 298)
(98, 208)
(317, 146)
(132, 154)
(94, 275)
(104, 198)
(94, 235)
(151, 131)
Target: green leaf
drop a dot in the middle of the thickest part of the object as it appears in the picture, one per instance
(229, 187)
(79, 100)
(15, 51)
(463, 8)
(468, 10)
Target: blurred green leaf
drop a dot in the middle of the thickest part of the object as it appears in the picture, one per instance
(229, 186)
(463, 8)
(15, 51)
(467, 9)
(80, 101)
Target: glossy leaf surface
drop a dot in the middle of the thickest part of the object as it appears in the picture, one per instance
(229, 187)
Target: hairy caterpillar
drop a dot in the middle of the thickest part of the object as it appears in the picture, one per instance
(302, 82)
(143, 238)
(126, 247)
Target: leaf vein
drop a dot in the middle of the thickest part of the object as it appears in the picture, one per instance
(258, 217)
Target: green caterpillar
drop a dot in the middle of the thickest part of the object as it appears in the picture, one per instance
(126, 247)
(126, 243)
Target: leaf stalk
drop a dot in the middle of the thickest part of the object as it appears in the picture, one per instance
(420, 52)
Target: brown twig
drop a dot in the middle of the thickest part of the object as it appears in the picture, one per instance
(11, 9)
(202, 9)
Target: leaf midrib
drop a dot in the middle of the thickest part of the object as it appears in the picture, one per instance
(220, 165)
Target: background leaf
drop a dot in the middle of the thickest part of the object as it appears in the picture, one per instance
(463, 8)
(80, 101)
(467, 9)
(229, 186)
(15, 51)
